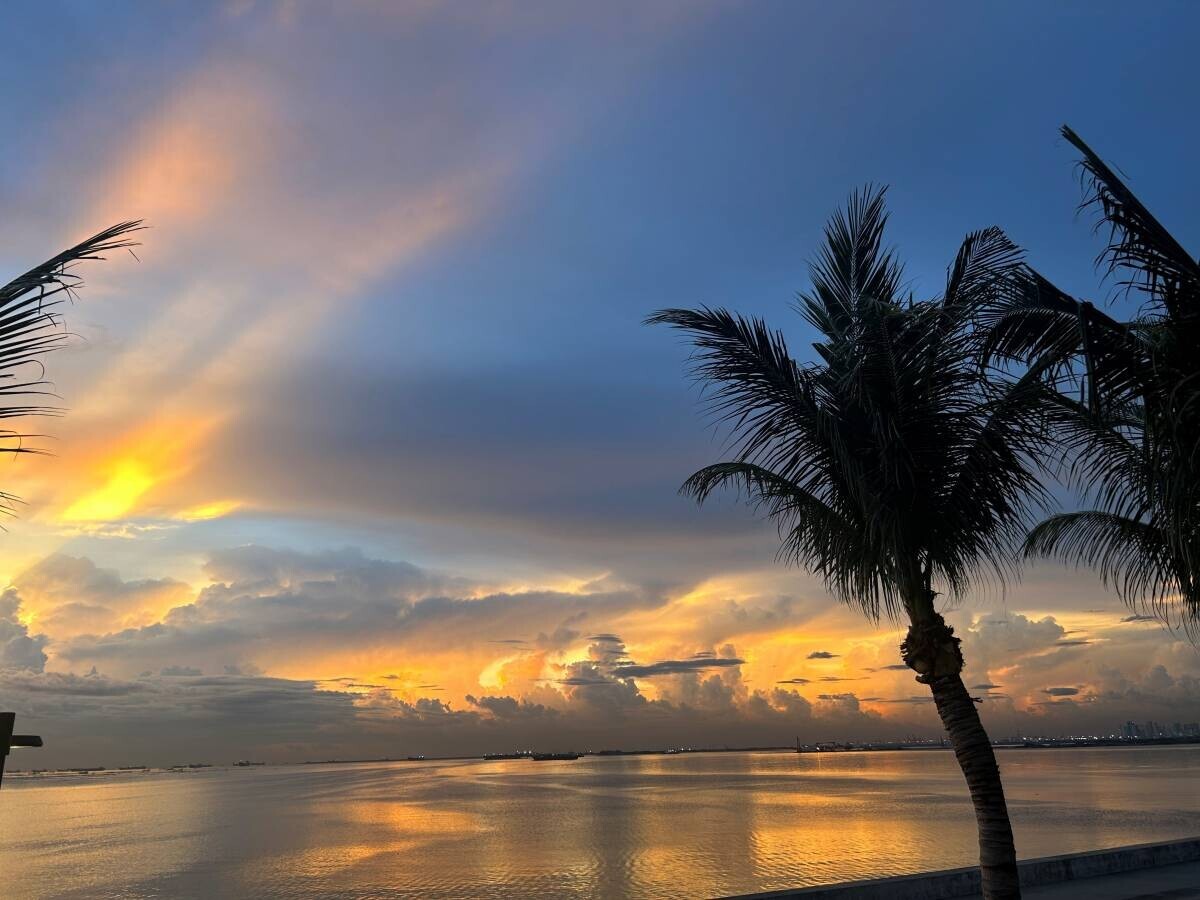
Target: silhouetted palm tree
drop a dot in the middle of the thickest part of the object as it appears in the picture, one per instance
(1128, 401)
(893, 468)
(30, 327)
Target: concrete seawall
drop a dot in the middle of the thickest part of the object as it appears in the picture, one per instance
(952, 883)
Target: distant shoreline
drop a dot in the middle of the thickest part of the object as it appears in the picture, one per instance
(804, 749)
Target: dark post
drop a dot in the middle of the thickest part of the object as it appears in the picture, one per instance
(8, 740)
(6, 727)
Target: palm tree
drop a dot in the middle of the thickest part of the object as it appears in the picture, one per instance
(1127, 403)
(892, 466)
(30, 327)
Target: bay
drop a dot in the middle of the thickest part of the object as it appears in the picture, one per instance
(687, 825)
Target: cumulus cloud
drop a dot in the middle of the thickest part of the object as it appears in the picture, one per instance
(18, 648)
(72, 595)
(587, 678)
(265, 606)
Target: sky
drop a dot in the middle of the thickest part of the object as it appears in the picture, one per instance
(367, 451)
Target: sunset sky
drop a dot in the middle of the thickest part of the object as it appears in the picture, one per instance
(367, 451)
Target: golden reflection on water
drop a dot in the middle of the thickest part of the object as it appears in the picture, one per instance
(399, 827)
(651, 826)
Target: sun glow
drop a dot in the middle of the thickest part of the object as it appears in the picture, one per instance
(129, 480)
(205, 511)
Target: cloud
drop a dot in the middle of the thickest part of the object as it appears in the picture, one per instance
(1140, 618)
(266, 606)
(917, 700)
(822, 654)
(673, 667)
(426, 668)
(18, 649)
(1061, 691)
(511, 708)
(187, 671)
(72, 595)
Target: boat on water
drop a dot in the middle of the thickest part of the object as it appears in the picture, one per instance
(541, 757)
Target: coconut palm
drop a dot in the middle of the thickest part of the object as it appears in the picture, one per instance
(30, 327)
(1128, 399)
(893, 467)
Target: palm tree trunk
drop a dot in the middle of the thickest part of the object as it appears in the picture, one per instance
(997, 855)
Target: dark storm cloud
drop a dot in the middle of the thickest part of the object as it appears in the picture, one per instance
(511, 708)
(822, 654)
(61, 684)
(906, 700)
(1061, 691)
(673, 667)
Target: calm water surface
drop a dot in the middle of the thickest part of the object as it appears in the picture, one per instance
(652, 826)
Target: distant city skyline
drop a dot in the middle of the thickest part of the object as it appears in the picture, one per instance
(367, 451)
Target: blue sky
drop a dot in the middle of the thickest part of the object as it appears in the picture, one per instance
(390, 300)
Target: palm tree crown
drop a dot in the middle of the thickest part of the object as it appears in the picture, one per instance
(891, 465)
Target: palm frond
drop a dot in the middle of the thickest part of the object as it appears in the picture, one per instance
(852, 266)
(983, 269)
(1138, 242)
(1132, 556)
(30, 326)
(812, 533)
